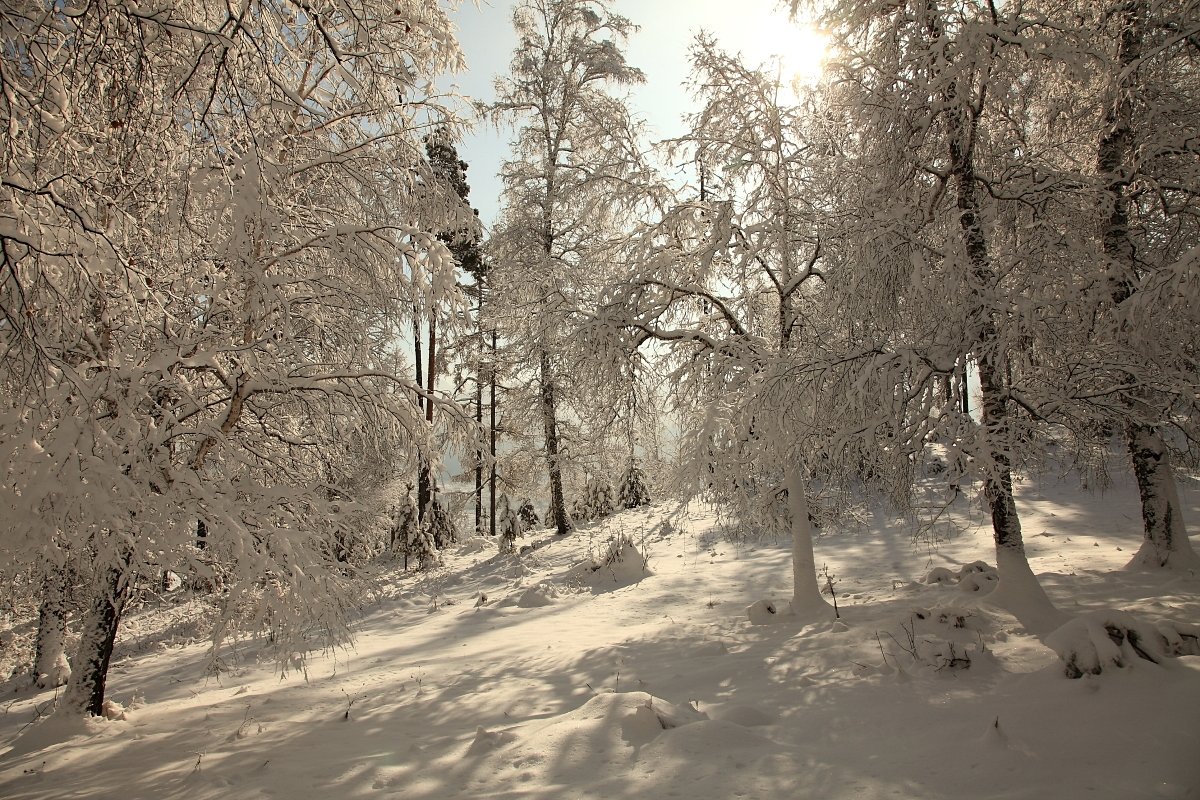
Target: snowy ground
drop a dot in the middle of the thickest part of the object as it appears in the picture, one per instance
(564, 685)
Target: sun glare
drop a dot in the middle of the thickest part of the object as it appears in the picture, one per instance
(800, 50)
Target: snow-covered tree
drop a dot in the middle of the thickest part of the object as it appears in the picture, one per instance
(728, 283)
(205, 224)
(528, 515)
(410, 539)
(597, 501)
(948, 222)
(1150, 240)
(576, 164)
(510, 525)
(634, 491)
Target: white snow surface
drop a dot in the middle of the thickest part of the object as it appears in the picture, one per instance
(504, 676)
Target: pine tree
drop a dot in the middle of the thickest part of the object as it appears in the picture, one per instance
(510, 524)
(634, 491)
(410, 539)
(528, 515)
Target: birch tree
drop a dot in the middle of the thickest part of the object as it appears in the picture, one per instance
(730, 284)
(1149, 169)
(575, 158)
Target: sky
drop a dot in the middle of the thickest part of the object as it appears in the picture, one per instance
(756, 28)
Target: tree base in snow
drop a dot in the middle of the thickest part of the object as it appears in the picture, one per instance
(1149, 557)
(768, 612)
(1103, 639)
(58, 675)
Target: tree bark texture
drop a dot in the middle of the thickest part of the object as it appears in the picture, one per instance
(1165, 540)
(98, 633)
(492, 410)
(562, 522)
(422, 458)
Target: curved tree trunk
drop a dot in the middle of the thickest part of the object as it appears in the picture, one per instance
(98, 634)
(1019, 590)
(807, 602)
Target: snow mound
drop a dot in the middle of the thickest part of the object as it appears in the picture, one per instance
(943, 638)
(608, 729)
(486, 741)
(763, 612)
(541, 594)
(619, 562)
(1095, 641)
(707, 740)
(476, 544)
(653, 716)
(58, 675)
(113, 710)
(978, 577)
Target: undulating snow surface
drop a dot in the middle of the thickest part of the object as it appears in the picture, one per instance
(560, 674)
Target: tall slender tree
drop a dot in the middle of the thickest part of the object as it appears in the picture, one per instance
(574, 156)
(1150, 182)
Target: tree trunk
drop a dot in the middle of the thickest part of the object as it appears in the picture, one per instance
(479, 455)
(426, 490)
(422, 457)
(492, 440)
(1165, 540)
(98, 633)
(807, 602)
(1019, 590)
(1165, 543)
(562, 522)
(50, 667)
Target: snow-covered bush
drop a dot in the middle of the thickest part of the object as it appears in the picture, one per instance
(634, 491)
(978, 577)
(1093, 642)
(409, 538)
(529, 516)
(509, 525)
(617, 561)
(441, 525)
(598, 501)
(601, 499)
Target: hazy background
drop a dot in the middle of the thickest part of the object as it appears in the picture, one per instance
(756, 28)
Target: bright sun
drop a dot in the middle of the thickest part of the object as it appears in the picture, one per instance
(801, 50)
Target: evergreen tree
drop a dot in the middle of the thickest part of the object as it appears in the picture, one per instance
(634, 491)
(511, 525)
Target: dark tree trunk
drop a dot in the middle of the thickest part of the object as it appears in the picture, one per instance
(964, 390)
(1019, 590)
(422, 458)
(98, 633)
(492, 409)
(479, 456)
(562, 522)
(425, 483)
(1165, 540)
